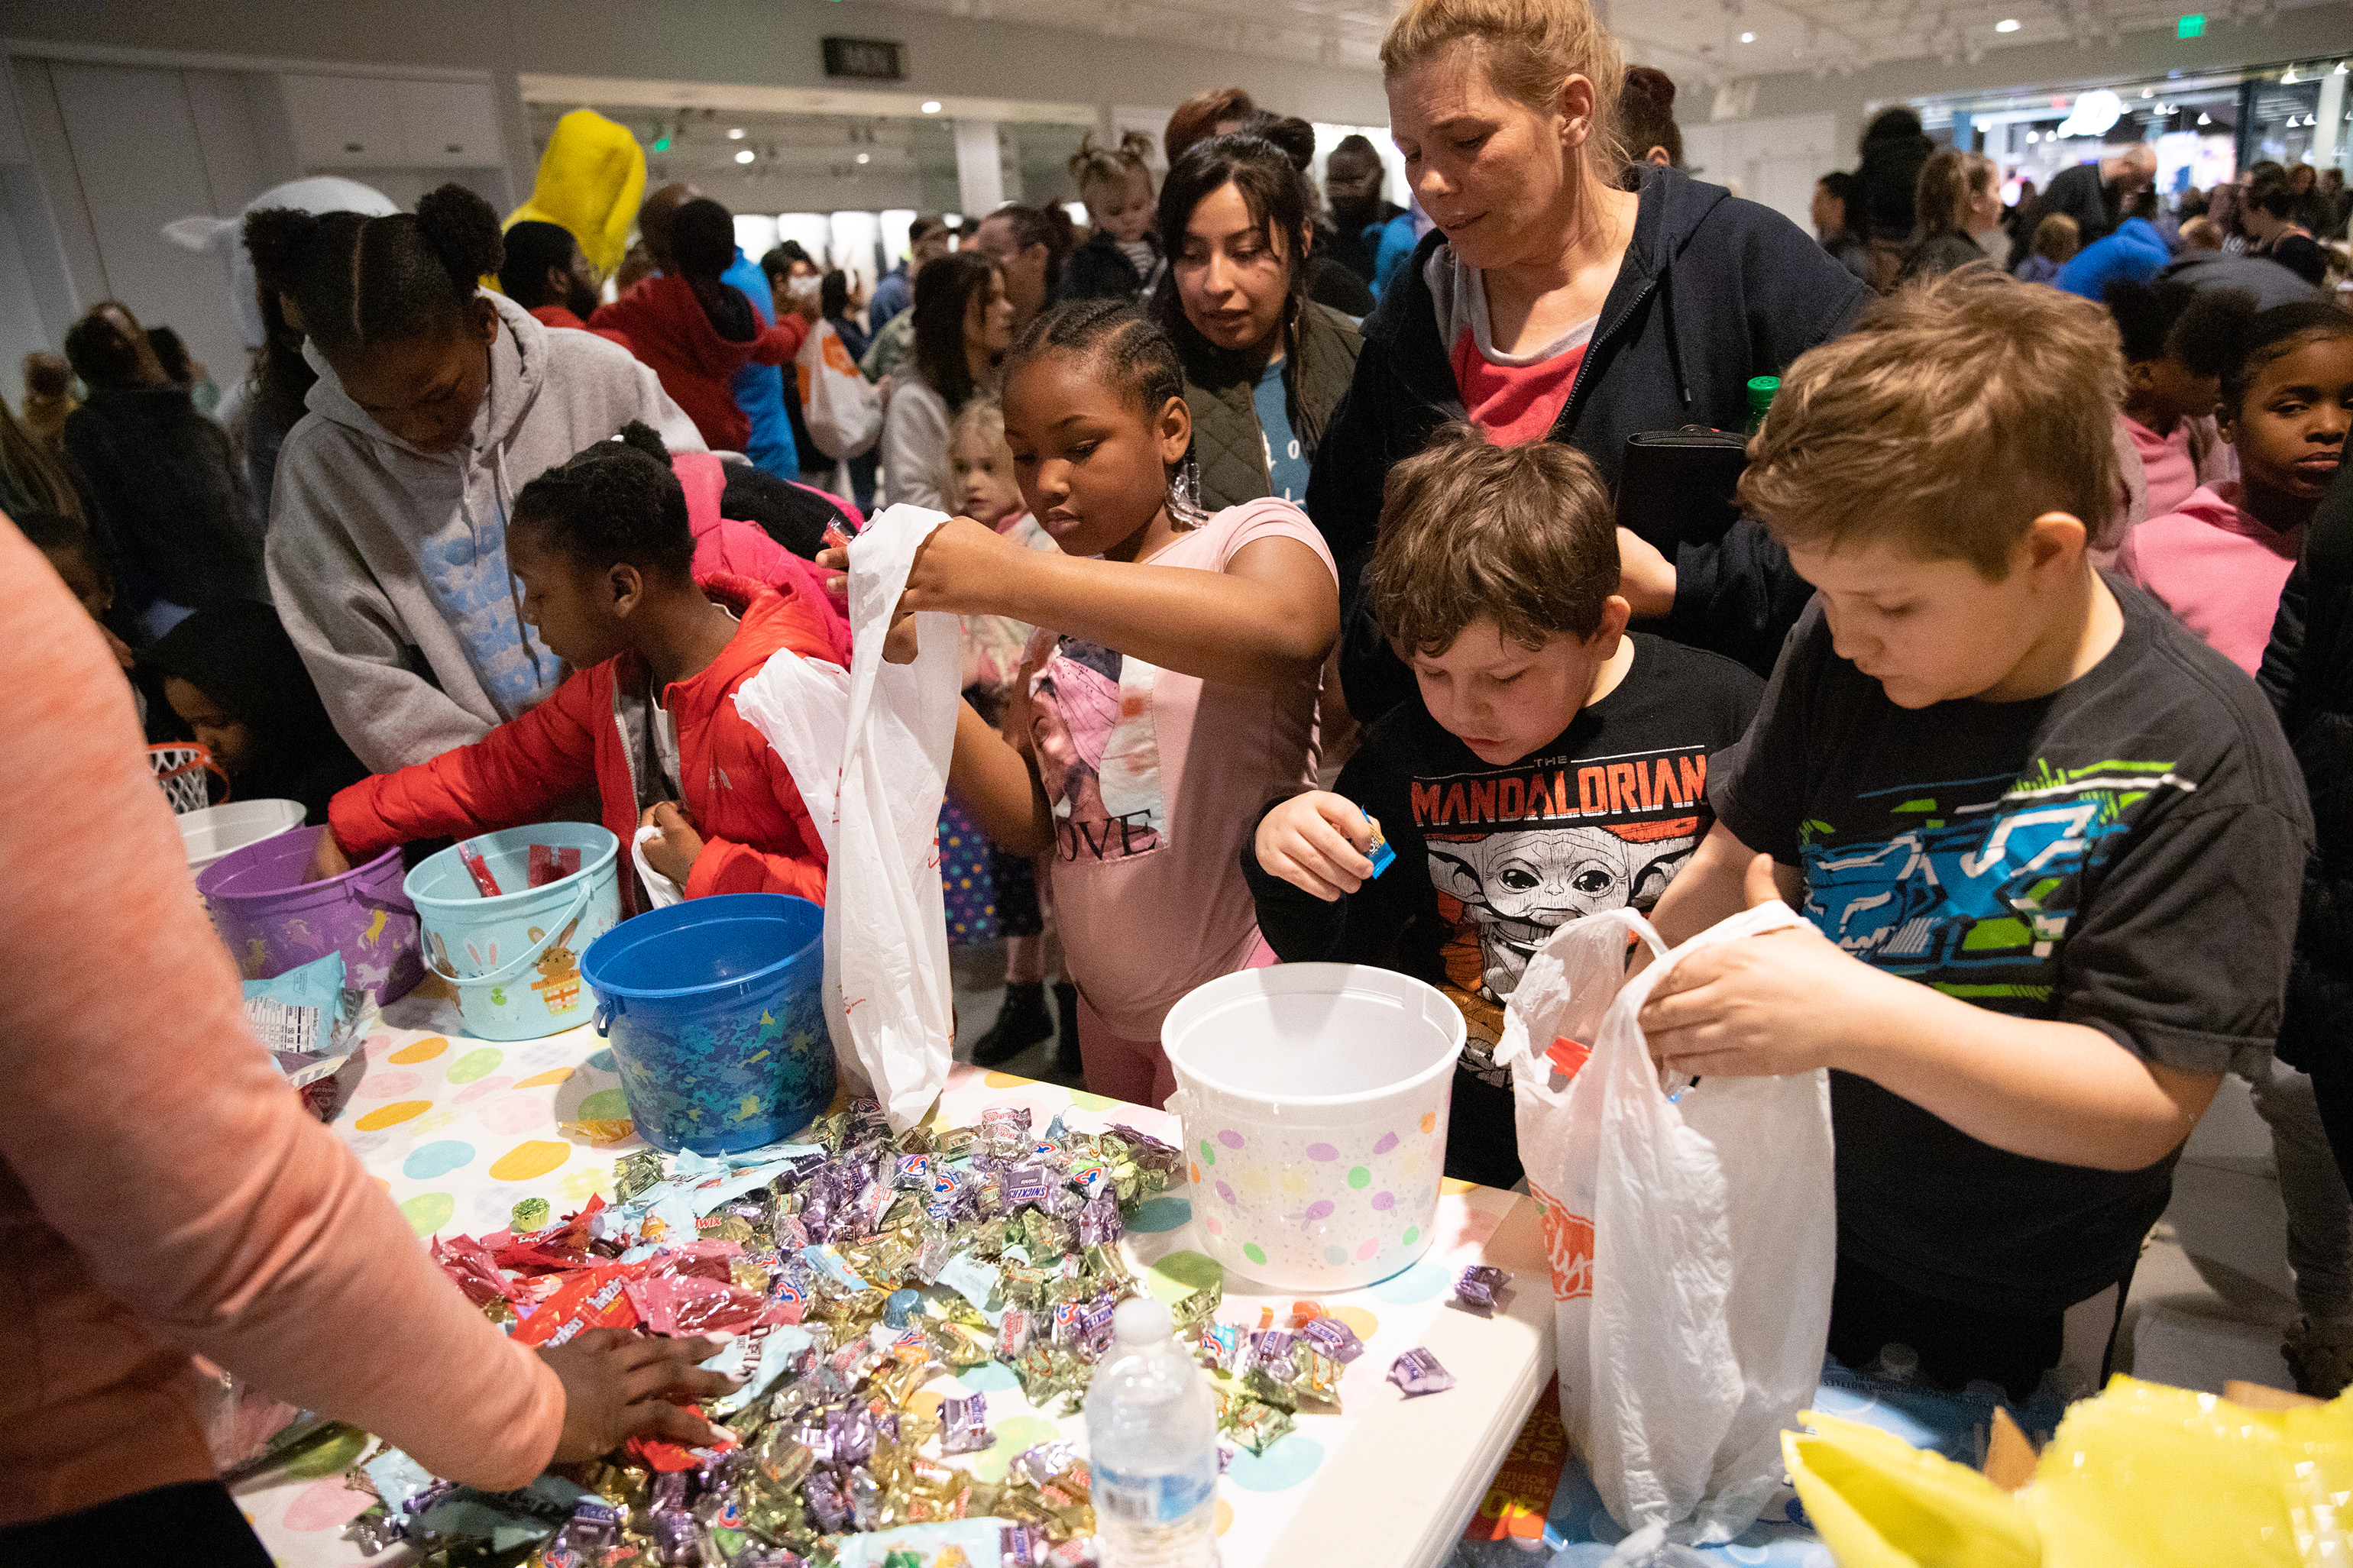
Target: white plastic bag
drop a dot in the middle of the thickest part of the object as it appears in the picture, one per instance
(1693, 1240)
(842, 409)
(661, 891)
(869, 748)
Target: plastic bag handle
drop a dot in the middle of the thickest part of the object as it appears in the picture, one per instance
(1510, 1050)
(529, 956)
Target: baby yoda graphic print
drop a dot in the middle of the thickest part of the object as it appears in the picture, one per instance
(1515, 852)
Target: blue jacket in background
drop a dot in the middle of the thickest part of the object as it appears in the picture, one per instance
(1714, 290)
(892, 293)
(759, 389)
(2135, 251)
(1392, 250)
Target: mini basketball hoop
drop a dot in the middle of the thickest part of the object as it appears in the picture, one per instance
(187, 773)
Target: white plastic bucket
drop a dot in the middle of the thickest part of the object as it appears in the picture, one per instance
(1313, 1098)
(213, 831)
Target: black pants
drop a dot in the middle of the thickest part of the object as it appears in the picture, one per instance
(2332, 1087)
(194, 1523)
(1956, 1344)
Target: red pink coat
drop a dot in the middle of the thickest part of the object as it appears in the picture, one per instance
(756, 831)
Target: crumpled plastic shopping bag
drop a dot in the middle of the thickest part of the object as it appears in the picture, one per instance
(868, 749)
(1692, 1234)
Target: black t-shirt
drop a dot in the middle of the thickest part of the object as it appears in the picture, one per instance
(1492, 859)
(2124, 853)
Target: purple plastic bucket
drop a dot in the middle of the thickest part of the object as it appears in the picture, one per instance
(273, 920)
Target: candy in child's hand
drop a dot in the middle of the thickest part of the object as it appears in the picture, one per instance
(1379, 852)
(1416, 1371)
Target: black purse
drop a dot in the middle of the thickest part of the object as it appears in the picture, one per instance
(1677, 487)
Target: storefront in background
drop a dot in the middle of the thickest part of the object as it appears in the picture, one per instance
(2206, 128)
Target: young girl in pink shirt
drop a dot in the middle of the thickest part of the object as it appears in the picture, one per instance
(1169, 692)
(2175, 340)
(2287, 404)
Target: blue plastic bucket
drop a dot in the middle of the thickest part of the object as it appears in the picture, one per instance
(516, 959)
(715, 1011)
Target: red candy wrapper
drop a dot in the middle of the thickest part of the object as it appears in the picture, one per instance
(588, 1299)
(1567, 1056)
(704, 1260)
(476, 1271)
(668, 1458)
(682, 1305)
(560, 1245)
(479, 869)
(550, 864)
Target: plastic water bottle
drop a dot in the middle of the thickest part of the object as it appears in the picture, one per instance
(1152, 1447)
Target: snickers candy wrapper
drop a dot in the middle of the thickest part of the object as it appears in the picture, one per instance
(1477, 1288)
(1417, 1373)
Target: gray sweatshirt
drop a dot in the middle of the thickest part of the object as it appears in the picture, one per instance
(389, 564)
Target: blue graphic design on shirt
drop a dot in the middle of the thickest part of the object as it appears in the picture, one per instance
(467, 574)
(1974, 889)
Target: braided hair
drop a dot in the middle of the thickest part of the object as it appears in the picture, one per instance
(615, 501)
(2252, 339)
(1122, 342)
(359, 281)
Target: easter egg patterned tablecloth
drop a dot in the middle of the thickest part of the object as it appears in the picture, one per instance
(458, 1131)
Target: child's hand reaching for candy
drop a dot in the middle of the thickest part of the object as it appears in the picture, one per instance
(1318, 841)
(327, 859)
(674, 853)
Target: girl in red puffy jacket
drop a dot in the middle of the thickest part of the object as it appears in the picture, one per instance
(604, 551)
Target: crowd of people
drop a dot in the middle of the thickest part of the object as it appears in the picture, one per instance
(1279, 525)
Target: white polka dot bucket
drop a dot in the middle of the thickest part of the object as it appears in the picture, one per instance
(1313, 1098)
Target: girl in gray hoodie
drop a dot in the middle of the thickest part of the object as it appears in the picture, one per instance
(435, 403)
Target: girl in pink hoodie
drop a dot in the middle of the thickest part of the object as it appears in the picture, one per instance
(2174, 340)
(2287, 404)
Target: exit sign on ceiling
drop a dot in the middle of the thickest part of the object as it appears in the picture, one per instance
(867, 59)
(2191, 27)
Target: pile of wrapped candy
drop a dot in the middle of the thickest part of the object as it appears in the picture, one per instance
(851, 1269)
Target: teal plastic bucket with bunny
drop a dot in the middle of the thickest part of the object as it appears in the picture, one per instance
(515, 957)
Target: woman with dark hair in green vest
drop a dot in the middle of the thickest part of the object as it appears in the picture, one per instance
(1263, 364)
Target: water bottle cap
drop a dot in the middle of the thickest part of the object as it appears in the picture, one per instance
(1141, 1320)
(1761, 389)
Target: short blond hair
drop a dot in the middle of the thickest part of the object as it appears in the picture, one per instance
(1529, 47)
(1524, 536)
(1955, 414)
(2058, 236)
(981, 420)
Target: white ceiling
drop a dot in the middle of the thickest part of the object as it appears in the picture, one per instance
(1698, 42)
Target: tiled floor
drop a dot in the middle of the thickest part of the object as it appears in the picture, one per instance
(2213, 1293)
(979, 976)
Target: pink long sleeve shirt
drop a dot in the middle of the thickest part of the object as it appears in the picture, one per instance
(162, 1190)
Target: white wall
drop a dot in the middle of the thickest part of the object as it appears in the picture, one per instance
(1774, 162)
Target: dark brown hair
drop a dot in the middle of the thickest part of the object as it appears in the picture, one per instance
(1524, 536)
(1278, 203)
(360, 280)
(1197, 119)
(945, 289)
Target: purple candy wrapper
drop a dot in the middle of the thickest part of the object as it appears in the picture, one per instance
(964, 1424)
(1026, 1184)
(1333, 1338)
(1416, 1371)
(1478, 1287)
